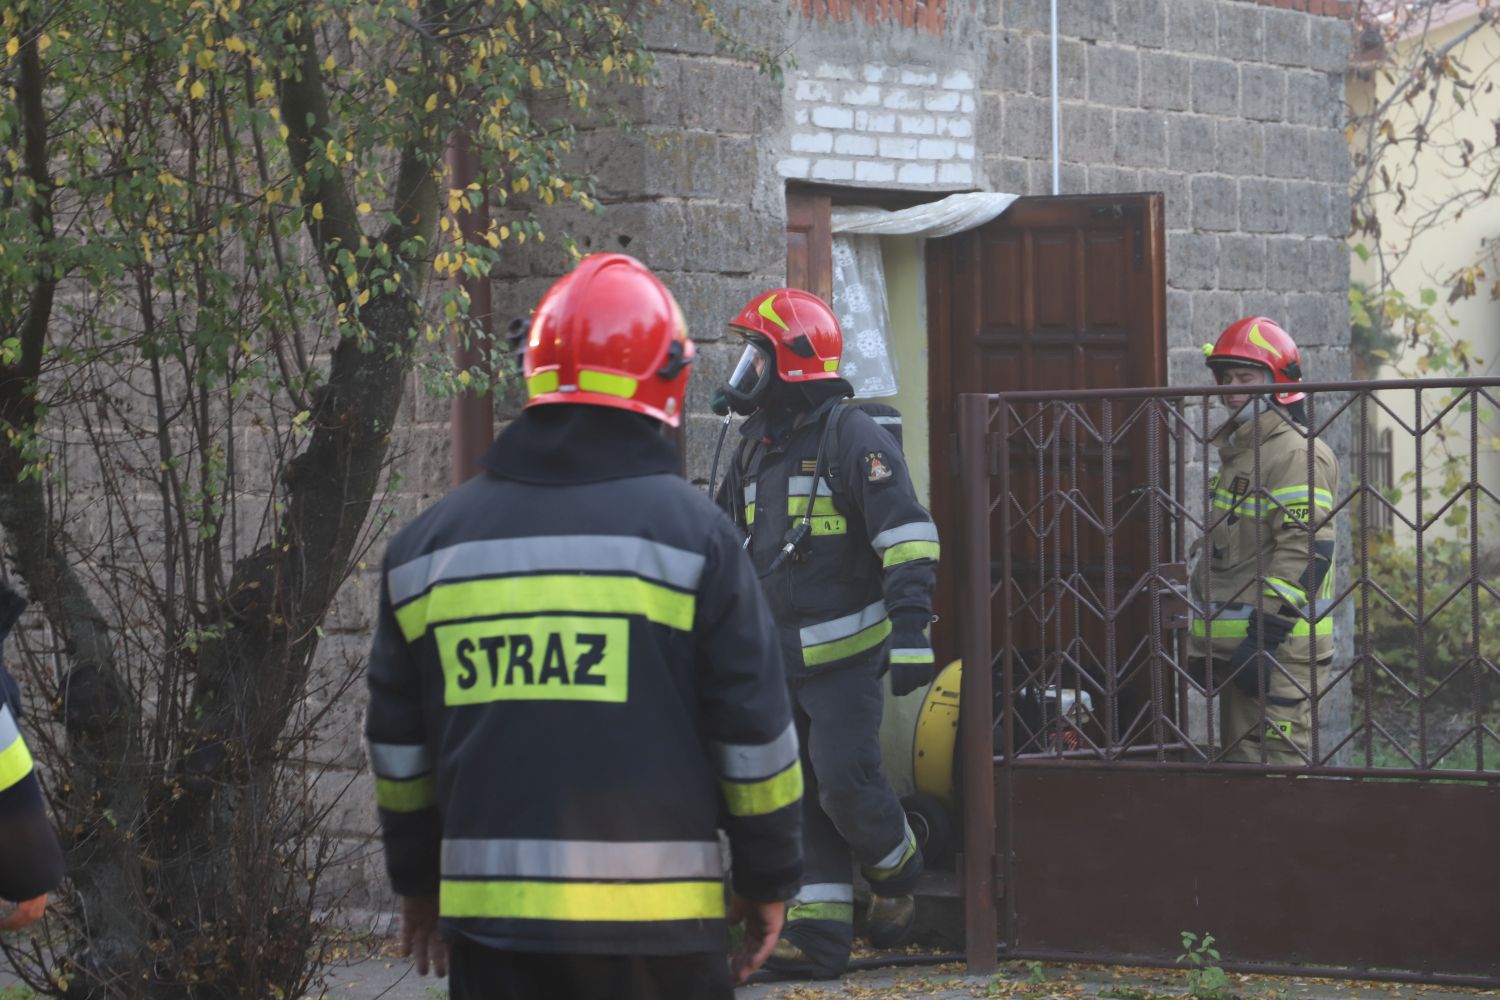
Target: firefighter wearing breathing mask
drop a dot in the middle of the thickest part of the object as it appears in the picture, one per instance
(847, 557)
(1262, 584)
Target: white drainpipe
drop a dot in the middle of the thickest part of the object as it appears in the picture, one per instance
(1056, 113)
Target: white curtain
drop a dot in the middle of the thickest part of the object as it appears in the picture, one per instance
(859, 295)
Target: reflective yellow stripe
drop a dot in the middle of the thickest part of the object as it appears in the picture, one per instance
(797, 506)
(857, 643)
(405, 796)
(831, 366)
(607, 384)
(1239, 628)
(541, 382)
(840, 912)
(749, 513)
(1295, 596)
(757, 798)
(829, 526)
(519, 595)
(590, 901)
(879, 873)
(15, 763)
(908, 551)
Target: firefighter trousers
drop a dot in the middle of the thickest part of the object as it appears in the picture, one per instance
(848, 806)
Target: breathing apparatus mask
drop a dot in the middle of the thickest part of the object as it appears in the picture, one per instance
(750, 383)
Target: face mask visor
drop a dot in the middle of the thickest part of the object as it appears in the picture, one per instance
(751, 379)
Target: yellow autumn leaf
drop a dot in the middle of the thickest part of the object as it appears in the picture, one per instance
(265, 91)
(464, 378)
(431, 104)
(390, 86)
(536, 76)
(12, 47)
(234, 44)
(43, 42)
(318, 211)
(196, 91)
(364, 297)
(363, 208)
(492, 239)
(609, 64)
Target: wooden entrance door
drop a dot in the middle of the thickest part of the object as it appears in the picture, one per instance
(1057, 293)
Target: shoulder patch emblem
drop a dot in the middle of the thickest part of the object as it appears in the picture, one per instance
(1240, 486)
(877, 469)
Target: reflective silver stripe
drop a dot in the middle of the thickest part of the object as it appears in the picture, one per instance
(825, 892)
(916, 531)
(922, 654)
(750, 493)
(399, 761)
(8, 731)
(751, 762)
(842, 628)
(801, 486)
(592, 860)
(555, 553)
(888, 421)
(896, 856)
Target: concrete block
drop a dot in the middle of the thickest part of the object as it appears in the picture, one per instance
(1242, 262)
(1327, 155)
(652, 230)
(1192, 261)
(959, 79)
(862, 97)
(1241, 148)
(945, 102)
(1215, 203)
(1307, 207)
(1179, 315)
(1073, 178)
(937, 149)
(1193, 26)
(1330, 42)
(902, 100)
(1087, 133)
(1263, 93)
(1190, 143)
(1026, 15)
(1216, 87)
(1287, 38)
(1287, 264)
(1141, 23)
(1141, 138)
(793, 167)
(1174, 187)
(1308, 319)
(1263, 205)
(707, 301)
(919, 77)
(917, 173)
(1286, 150)
(1008, 174)
(1242, 32)
(1028, 128)
(1328, 264)
(1314, 99)
(1212, 312)
(897, 148)
(1072, 67)
(1008, 65)
(1092, 21)
(957, 174)
(855, 145)
(1113, 180)
(730, 237)
(1339, 209)
(1263, 302)
(1166, 81)
(833, 170)
(832, 117)
(874, 172)
(1114, 76)
(812, 142)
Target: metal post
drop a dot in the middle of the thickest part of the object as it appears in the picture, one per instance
(473, 415)
(976, 696)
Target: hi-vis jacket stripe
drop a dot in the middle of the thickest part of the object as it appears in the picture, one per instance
(841, 637)
(758, 779)
(917, 540)
(403, 776)
(15, 759)
(527, 575)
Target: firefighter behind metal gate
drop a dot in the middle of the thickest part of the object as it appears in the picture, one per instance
(1263, 579)
(31, 862)
(575, 682)
(848, 557)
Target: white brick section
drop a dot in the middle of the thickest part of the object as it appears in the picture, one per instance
(833, 170)
(876, 73)
(812, 142)
(898, 149)
(958, 128)
(863, 97)
(828, 71)
(919, 78)
(902, 100)
(829, 117)
(958, 80)
(850, 144)
(955, 173)
(919, 125)
(812, 90)
(916, 173)
(874, 172)
(937, 149)
(874, 121)
(794, 167)
(943, 102)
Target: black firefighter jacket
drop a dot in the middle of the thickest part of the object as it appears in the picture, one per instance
(874, 548)
(572, 687)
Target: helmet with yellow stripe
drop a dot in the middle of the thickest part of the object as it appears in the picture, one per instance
(1259, 343)
(608, 333)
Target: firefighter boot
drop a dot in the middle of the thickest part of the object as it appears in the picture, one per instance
(889, 920)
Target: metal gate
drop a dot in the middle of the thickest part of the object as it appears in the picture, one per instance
(1103, 814)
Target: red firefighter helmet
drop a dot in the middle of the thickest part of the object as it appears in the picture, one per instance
(608, 333)
(801, 328)
(1262, 343)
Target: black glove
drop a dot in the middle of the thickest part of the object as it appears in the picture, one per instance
(912, 663)
(1248, 676)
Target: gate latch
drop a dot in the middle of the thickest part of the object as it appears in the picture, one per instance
(1173, 592)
